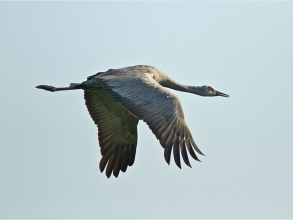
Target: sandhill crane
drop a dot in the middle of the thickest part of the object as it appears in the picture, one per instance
(118, 98)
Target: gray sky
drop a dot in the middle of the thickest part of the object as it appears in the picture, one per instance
(49, 152)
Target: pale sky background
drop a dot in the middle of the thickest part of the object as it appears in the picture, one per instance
(49, 152)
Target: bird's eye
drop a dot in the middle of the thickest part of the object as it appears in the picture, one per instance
(211, 89)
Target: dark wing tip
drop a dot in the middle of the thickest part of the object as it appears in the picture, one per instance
(196, 147)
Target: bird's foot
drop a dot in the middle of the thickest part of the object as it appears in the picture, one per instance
(48, 88)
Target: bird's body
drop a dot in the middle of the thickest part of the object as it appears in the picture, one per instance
(118, 98)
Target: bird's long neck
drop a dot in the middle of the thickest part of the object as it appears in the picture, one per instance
(172, 84)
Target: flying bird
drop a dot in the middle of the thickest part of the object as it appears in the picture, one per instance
(118, 98)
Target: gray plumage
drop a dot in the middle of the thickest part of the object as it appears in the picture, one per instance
(118, 98)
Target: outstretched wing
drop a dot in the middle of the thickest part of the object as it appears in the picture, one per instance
(117, 131)
(141, 95)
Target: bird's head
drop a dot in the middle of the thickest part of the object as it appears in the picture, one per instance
(210, 91)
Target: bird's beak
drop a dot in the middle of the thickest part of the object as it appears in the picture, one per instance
(221, 94)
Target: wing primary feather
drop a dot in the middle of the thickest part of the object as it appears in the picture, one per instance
(125, 159)
(105, 159)
(107, 145)
(118, 163)
(161, 129)
(184, 152)
(176, 152)
(167, 137)
(167, 153)
(190, 150)
(131, 156)
(195, 147)
(111, 163)
(155, 124)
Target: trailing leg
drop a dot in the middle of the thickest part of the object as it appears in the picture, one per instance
(72, 86)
